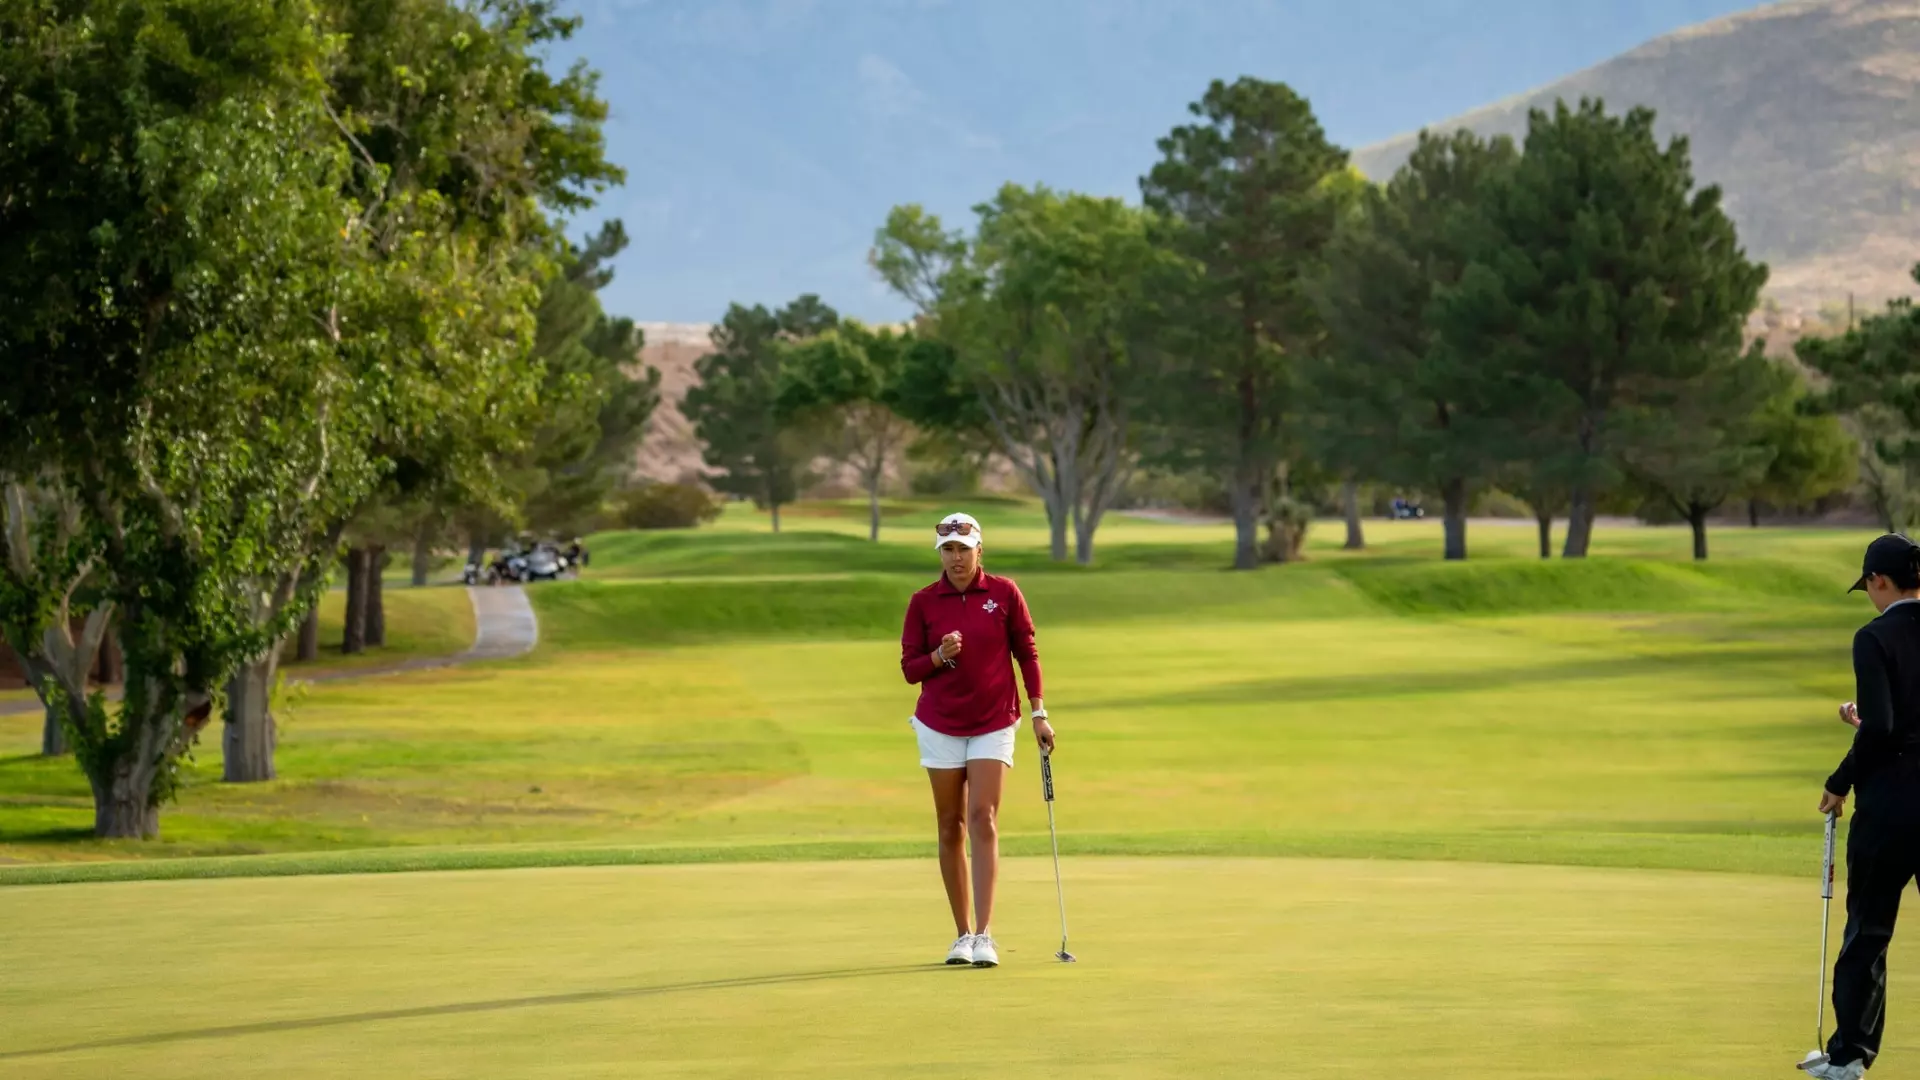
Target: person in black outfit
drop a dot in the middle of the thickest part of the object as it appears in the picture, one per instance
(1883, 766)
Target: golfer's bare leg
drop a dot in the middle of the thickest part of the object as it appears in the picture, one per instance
(984, 781)
(950, 811)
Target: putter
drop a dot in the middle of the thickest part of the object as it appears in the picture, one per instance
(1046, 780)
(1818, 1055)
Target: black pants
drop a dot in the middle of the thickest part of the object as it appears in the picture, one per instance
(1883, 855)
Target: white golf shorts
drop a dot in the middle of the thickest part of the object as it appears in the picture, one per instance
(939, 751)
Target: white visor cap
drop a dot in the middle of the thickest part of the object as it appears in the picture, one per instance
(969, 536)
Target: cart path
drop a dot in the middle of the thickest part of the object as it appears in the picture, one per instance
(504, 627)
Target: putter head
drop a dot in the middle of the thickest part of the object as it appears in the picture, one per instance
(1065, 956)
(1813, 1058)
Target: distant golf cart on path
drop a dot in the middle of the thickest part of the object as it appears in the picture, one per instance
(1403, 510)
(516, 565)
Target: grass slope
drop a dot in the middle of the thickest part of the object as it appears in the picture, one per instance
(423, 622)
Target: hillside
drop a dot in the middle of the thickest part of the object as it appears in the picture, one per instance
(671, 451)
(1806, 113)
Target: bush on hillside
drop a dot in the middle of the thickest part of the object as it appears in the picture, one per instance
(665, 506)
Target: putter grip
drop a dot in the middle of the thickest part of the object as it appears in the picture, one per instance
(1046, 775)
(1826, 875)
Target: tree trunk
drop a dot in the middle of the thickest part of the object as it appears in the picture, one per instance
(1350, 496)
(1753, 513)
(422, 557)
(1083, 541)
(377, 560)
(354, 639)
(1246, 526)
(112, 668)
(476, 548)
(1056, 530)
(776, 517)
(873, 506)
(1579, 524)
(1453, 497)
(1545, 521)
(53, 735)
(123, 805)
(1697, 517)
(309, 646)
(247, 748)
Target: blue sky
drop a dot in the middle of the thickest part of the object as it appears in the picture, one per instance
(764, 140)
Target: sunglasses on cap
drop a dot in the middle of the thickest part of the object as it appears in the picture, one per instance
(954, 528)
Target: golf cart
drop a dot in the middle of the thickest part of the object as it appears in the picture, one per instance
(1407, 511)
(543, 563)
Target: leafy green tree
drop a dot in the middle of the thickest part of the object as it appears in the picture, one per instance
(1596, 267)
(596, 412)
(1050, 311)
(760, 448)
(173, 239)
(1696, 443)
(233, 322)
(1873, 383)
(1401, 405)
(849, 379)
(1244, 193)
(463, 144)
(1811, 454)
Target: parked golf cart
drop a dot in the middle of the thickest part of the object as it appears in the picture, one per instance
(543, 563)
(1407, 511)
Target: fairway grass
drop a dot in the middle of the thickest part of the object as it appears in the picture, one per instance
(1189, 967)
(1614, 712)
(1369, 815)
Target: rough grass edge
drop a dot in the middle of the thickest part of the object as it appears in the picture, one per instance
(1740, 854)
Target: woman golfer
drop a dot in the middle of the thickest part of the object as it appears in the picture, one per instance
(962, 637)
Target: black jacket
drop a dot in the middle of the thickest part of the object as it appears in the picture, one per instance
(1886, 673)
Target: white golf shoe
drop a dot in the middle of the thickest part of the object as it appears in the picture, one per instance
(1852, 1070)
(984, 954)
(962, 951)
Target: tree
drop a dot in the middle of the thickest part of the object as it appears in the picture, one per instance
(1694, 444)
(1594, 267)
(1243, 192)
(1873, 373)
(232, 322)
(761, 451)
(596, 412)
(849, 379)
(171, 223)
(1811, 454)
(1409, 409)
(1050, 311)
(461, 142)
(47, 561)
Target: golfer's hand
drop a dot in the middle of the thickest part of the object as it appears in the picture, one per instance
(1043, 734)
(950, 646)
(1850, 715)
(1833, 804)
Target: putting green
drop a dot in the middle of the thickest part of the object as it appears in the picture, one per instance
(1189, 967)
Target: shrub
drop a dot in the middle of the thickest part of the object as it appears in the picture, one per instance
(665, 506)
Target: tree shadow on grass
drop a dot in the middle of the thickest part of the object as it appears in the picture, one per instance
(457, 1008)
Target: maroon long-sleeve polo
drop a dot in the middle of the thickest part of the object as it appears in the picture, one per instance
(975, 695)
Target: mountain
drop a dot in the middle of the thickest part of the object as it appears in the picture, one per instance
(671, 451)
(1806, 113)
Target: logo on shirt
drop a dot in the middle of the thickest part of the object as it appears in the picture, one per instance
(989, 607)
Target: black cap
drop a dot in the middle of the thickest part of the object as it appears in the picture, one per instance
(1890, 554)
